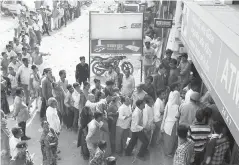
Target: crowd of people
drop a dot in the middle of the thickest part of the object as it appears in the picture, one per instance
(118, 118)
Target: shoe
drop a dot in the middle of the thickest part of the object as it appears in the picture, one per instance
(25, 138)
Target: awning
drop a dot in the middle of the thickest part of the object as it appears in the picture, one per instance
(214, 50)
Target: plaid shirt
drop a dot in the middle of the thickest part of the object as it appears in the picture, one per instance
(219, 151)
(184, 153)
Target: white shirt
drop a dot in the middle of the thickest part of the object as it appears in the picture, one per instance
(124, 111)
(11, 54)
(110, 76)
(148, 117)
(158, 109)
(13, 80)
(137, 120)
(128, 86)
(53, 119)
(13, 143)
(61, 12)
(19, 8)
(16, 23)
(28, 56)
(36, 27)
(18, 48)
(188, 95)
(76, 98)
(91, 105)
(14, 66)
(24, 73)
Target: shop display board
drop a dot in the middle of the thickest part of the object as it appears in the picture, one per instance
(217, 64)
(116, 39)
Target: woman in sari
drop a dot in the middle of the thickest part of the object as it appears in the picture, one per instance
(85, 118)
(112, 119)
(168, 127)
(58, 94)
(101, 107)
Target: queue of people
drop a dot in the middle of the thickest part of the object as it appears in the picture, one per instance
(119, 119)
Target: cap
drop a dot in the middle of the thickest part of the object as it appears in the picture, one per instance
(195, 96)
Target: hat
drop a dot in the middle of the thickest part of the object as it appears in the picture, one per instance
(42, 7)
(195, 96)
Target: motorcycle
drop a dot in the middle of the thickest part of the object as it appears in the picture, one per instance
(100, 65)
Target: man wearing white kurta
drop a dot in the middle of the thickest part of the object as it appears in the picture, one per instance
(52, 116)
(123, 125)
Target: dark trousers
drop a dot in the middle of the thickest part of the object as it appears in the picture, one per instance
(68, 118)
(43, 108)
(80, 81)
(23, 127)
(76, 117)
(198, 159)
(133, 141)
(45, 29)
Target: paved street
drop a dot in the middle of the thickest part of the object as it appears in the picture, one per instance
(65, 47)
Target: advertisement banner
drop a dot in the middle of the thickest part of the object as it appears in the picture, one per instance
(217, 65)
(116, 39)
(116, 46)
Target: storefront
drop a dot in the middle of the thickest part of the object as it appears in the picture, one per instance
(214, 50)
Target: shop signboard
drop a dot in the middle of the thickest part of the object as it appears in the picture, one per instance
(217, 65)
(163, 23)
(117, 34)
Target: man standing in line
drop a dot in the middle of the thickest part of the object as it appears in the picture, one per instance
(94, 133)
(46, 91)
(187, 111)
(123, 124)
(37, 29)
(55, 16)
(185, 151)
(45, 21)
(148, 57)
(23, 77)
(128, 84)
(82, 71)
(49, 16)
(37, 58)
(137, 131)
(185, 69)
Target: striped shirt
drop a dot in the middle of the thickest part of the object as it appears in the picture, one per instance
(199, 133)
